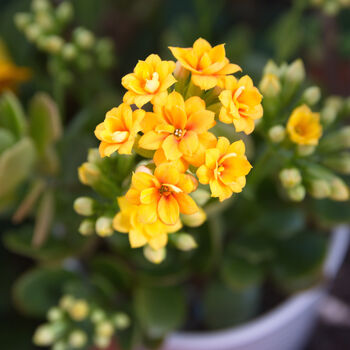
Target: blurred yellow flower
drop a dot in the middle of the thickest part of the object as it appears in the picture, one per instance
(206, 63)
(140, 234)
(241, 103)
(117, 132)
(10, 74)
(225, 168)
(163, 195)
(177, 127)
(149, 81)
(304, 127)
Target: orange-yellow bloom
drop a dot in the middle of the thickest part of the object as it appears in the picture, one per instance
(149, 81)
(178, 128)
(225, 168)
(207, 64)
(117, 132)
(163, 195)
(304, 127)
(155, 234)
(241, 103)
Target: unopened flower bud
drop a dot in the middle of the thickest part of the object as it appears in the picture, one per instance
(66, 302)
(270, 85)
(305, 150)
(89, 173)
(45, 21)
(105, 329)
(40, 5)
(87, 227)
(319, 188)
(64, 12)
(331, 8)
(339, 190)
(102, 342)
(104, 226)
(33, 32)
(297, 193)
(44, 335)
(290, 177)
(79, 310)
(340, 163)
(185, 242)
(200, 196)
(312, 95)
(77, 339)
(97, 316)
(121, 320)
(60, 345)
(53, 44)
(84, 38)
(271, 68)
(84, 206)
(69, 52)
(143, 169)
(54, 314)
(93, 155)
(295, 72)
(180, 73)
(194, 220)
(154, 256)
(336, 102)
(277, 133)
(336, 140)
(328, 115)
(22, 20)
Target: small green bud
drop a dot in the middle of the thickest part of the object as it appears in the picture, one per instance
(194, 220)
(328, 115)
(200, 196)
(102, 342)
(84, 38)
(295, 72)
(89, 173)
(305, 150)
(290, 177)
(185, 242)
(79, 310)
(44, 335)
(93, 155)
(105, 329)
(22, 20)
(54, 314)
(64, 12)
(271, 68)
(104, 227)
(336, 140)
(270, 85)
(44, 20)
(312, 95)
(121, 320)
(319, 188)
(84, 206)
(69, 52)
(53, 44)
(33, 32)
(41, 5)
(66, 302)
(77, 339)
(97, 316)
(60, 345)
(339, 190)
(336, 102)
(154, 256)
(180, 73)
(297, 193)
(331, 8)
(340, 163)
(277, 133)
(87, 227)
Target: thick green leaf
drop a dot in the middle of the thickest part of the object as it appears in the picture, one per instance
(7, 139)
(330, 213)
(39, 289)
(159, 310)
(15, 165)
(45, 121)
(224, 307)
(12, 115)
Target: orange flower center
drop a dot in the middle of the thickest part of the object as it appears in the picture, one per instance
(167, 189)
(152, 85)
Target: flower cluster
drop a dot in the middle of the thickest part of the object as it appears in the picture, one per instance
(77, 324)
(176, 135)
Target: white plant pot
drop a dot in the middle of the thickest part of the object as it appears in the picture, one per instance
(286, 327)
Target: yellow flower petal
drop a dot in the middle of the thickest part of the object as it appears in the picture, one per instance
(168, 210)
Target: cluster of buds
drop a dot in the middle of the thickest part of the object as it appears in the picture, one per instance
(331, 7)
(168, 123)
(45, 26)
(78, 324)
(313, 145)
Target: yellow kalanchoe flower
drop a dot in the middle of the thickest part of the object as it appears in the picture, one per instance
(117, 132)
(206, 63)
(304, 127)
(225, 168)
(241, 103)
(163, 195)
(140, 234)
(178, 128)
(149, 81)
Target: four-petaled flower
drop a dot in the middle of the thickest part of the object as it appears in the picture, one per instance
(149, 81)
(225, 168)
(207, 64)
(117, 132)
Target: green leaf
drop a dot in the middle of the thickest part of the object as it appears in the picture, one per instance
(45, 121)
(12, 115)
(39, 289)
(329, 213)
(15, 165)
(159, 309)
(224, 307)
(299, 261)
(6, 139)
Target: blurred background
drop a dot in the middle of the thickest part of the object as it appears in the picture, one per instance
(318, 31)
